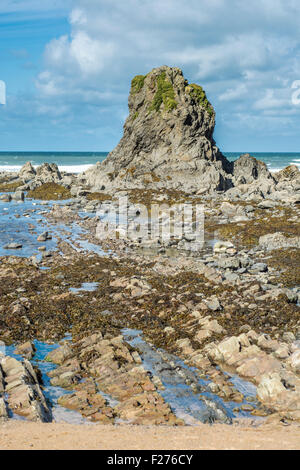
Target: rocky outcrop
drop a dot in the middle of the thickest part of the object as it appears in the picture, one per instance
(247, 170)
(289, 174)
(257, 358)
(48, 173)
(168, 139)
(168, 144)
(108, 382)
(20, 392)
(31, 178)
(27, 172)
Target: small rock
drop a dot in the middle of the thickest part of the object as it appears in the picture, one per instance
(13, 246)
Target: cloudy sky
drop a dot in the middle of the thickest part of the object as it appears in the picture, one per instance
(68, 68)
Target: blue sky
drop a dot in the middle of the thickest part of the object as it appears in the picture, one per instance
(68, 68)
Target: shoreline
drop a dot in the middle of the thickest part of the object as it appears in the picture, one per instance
(190, 317)
(76, 168)
(34, 436)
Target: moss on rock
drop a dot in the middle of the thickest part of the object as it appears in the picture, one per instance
(50, 192)
(9, 187)
(164, 95)
(137, 83)
(247, 234)
(199, 95)
(101, 197)
(287, 262)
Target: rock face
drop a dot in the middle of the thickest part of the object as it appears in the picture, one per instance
(168, 134)
(21, 391)
(32, 178)
(110, 367)
(248, 170)
(27, 172)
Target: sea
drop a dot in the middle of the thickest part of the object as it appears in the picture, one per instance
(77, 162)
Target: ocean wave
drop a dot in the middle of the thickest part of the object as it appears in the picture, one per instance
(275, 170)
(66, 168)
(10, 167)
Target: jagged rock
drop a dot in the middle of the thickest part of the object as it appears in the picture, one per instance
(22, 391)
(48, 173)
(27, 172)
(250, 169)
(168, 135)
(290, 174)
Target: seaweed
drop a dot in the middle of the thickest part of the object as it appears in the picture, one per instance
(50, 192)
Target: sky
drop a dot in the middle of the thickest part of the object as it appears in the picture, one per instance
(68, 65)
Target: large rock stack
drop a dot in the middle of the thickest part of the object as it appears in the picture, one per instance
(168, 139)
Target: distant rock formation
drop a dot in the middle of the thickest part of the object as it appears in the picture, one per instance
(27, 172)
(31, 178)
(168, 144)
(248, 170)
(168, 139)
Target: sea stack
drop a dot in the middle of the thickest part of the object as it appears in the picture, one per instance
(168, 139)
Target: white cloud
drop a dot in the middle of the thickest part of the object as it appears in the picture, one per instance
(234, 93)
(245, 54)
(270, 101)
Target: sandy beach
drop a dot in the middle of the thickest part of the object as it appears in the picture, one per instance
(35, 436)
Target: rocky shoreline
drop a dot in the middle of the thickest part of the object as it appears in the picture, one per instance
(227, 309)
(163, 331)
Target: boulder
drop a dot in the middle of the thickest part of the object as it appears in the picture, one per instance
(60, 355)
(294, 361)
(18, 196)
(270, 388)
(26, 350)
(225, 349)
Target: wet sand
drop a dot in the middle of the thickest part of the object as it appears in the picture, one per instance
(36, 436)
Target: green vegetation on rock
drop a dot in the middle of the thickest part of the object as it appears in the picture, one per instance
(50, 192)
(9, 187)
(101, 197)
(247, 233)
(199, 95)
(137, 83)
(164, 94)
